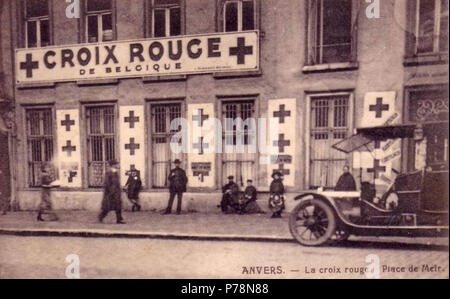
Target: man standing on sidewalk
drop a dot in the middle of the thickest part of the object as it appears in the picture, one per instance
(112, 200)
(177, 185)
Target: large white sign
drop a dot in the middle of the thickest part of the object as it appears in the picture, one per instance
(138, 58)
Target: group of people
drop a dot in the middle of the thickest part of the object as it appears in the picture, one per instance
(233, 200)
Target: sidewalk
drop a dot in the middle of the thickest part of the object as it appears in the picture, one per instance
(211, 226)
(188, 226)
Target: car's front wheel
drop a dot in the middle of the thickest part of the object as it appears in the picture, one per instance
(312, 222)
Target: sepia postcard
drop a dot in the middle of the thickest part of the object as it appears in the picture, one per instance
(224, 139)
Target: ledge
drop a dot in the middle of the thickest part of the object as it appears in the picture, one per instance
(426, 59)
(35, 85)
(237, 74)
(330, 67)
(167, 78)
(97, 82)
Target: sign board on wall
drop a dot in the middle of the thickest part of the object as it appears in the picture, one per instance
(206, 53)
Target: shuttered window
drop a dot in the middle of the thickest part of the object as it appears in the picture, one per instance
(329, 124)
(161, 155)
(39, 142)
(101, 142)
(239, 164)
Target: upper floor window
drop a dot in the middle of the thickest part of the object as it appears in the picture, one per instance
(99, 21)
(166, 18)
(431, 26)
(330, 31)
(37, 23)
(239, 15)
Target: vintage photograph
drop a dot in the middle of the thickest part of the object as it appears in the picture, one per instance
(224, 139)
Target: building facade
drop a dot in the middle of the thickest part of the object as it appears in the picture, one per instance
(109, 84)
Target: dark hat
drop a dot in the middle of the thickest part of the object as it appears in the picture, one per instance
(230, 177)
(113, 162)
(276, 173)
(250, 181)
(177, 161)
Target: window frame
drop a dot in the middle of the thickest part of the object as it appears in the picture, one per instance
(25, 20)
(436, 27)
(311, 36)
(85, 135)
(225, 99)
(28, 160)
(150, 103)
(220, 14)
(351, 122)
(412, 57)
(83, 22)
(150, 19)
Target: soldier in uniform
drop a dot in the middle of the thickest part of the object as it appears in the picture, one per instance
(45, 206)
(177, 185)
(112, 200)
(276, 199)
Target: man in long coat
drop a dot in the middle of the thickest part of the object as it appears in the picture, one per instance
(177, 186)
(112, 200)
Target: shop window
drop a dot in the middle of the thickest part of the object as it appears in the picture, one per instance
(429, 106)
(331, 38)
(101, 142)
(236, 162)
(161, 155)
(37, 23)
(166, 18)
(39, 142)
(329, 123)
(99, 21)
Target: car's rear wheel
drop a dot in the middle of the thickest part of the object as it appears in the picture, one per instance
(312, 222)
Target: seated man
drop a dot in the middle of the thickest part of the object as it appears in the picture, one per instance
(229, 203)
(249, 204)
(346, 182)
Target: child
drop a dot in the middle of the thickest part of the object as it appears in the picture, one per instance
(133, 187)
(45, 206)
(276, 199)
(249, 205)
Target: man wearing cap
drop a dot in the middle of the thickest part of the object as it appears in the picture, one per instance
(230, 193)
(112, 195)
(177, 185)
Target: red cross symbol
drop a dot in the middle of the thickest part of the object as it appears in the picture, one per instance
(132, 146)
(29, 65)
(379, 107)
(241, 50)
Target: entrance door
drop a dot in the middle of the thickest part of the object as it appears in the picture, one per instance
(161, 155)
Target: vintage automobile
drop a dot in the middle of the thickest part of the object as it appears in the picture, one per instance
(414, 205)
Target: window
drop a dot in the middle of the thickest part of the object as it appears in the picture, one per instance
(238, 15)
(330, 31)
(239, 164)
(101, 142)
(329, 123)
(431, 26)
(166, 18)
(161, 154)
(39, 142)
(429, 106)
(99, 21)
(37, 23)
